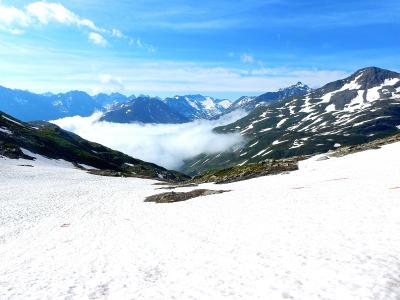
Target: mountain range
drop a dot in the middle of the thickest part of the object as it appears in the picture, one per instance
(198, 106)
(29, 106)
(116, 107)
(360, 108)
(292, 122)
(249, 103)
(175, 110)
(119, 108)
(143, 110)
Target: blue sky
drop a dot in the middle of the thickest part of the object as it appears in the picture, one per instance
(220, 48)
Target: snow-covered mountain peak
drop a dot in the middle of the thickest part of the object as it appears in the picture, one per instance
(372, 76)
(197, 106)
(298, 86)
(359, 108)
(358, 90)
(208, 103)
(225, 103)
(249, 103)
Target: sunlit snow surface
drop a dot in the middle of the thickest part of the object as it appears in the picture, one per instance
(328, 231)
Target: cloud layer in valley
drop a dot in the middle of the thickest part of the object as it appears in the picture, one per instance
(166, 145)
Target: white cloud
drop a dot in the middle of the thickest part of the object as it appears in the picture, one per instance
(109, 84)
(40, 12)
(97, 39)
(117, 33)
(46, 12)
(165, 145)
(12, 19)
(17, 21)
(185, 77)
(139, 43)
(107, 78)
(247, 58)
(197, 25)
(156, 77)
(33, 68)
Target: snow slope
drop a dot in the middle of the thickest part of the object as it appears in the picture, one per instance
(327, 231)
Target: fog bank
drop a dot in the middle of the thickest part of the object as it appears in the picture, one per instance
(167, 145)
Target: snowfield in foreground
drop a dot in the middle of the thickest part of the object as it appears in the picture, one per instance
(328, 231)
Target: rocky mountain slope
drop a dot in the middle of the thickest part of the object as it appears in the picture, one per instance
(145, 110)
(108, 100)
(250, 103)
(178, 109)
(49, 140)
(279, 166)
(355, 110)
(197, 106)
(74, 103)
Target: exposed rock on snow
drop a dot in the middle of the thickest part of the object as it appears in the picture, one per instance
(248, 171)
(377, 144)
(171, 197)
(12, 151)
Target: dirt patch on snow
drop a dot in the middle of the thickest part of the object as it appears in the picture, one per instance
(171, 197)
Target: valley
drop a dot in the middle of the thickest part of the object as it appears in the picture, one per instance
(199, 150)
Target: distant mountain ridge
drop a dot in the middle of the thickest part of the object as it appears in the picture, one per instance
(29, 106)
(181, 109)
(249, 103)
(108, 100)
(358, 109)
(172, 110)
(75, 103)
(198, 106)
(119, 108)
(145, 110)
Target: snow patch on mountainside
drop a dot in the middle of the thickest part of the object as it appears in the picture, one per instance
(225, 103)
(352, 85)
(208, 103)
(363, 98)
(197, 106)
(41, 160)
(327, 231)
(11, 120)
(5, 130)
